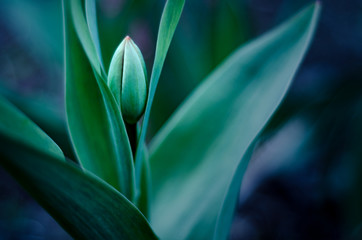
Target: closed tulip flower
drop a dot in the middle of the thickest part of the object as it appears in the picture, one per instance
(127, 79)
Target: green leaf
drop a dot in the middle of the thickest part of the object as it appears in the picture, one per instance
(96, 127)
(84, 205)
(85, 37)
(226, 212)
(91, 13)
(170, 17)
(19, 128)
(143, 202)
(195, 155)
(44, 114)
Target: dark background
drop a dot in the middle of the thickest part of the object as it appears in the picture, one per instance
(305, 178)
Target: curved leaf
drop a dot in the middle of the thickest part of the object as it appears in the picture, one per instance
(96, 127)
(81, 27)
(19, 128)
(195, 155)
(169, 20)
(84, 205)
(45, 115)
(91, 13)
(226, 212)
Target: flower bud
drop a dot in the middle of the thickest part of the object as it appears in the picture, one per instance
(127, 80)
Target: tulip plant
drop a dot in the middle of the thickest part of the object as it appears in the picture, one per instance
(184, 183)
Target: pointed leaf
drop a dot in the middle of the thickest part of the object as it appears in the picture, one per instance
(96, 127)
(50, 119)
(85, 206)
(195, 155)
(91, 13)
(18, 127)
(169, 20)
(81, 27)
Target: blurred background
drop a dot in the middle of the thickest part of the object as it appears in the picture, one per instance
(305, 178)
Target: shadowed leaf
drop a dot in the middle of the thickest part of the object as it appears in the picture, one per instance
(195, 155)
(85, 206)
(96, 127)
(169, 20)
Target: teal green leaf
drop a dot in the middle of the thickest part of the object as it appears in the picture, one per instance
(91, 13)
(95, 124)
(85, 37)
(19, 128)
(143, 202)
(226, 212)
(84, 205)
(195, 155)
(44, 114)
(169, 20)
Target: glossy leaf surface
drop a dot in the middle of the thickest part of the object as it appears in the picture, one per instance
(77, 16)
(96, 127)
(195, 155)
(84, 205)
(91, 16)
(169, 20)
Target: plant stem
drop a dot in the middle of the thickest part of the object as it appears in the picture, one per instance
(132, 135)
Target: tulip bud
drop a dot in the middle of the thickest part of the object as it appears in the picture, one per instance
(127, 80)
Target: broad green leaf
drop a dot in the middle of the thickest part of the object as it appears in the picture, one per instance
(96, 127)
(84, 205)
(19, 128)
(200, 44)
(170, 17)
(195, 155)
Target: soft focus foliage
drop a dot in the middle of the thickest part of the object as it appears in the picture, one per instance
(306, 169)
